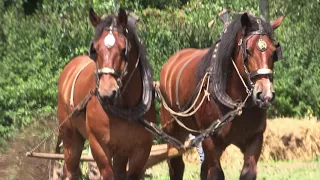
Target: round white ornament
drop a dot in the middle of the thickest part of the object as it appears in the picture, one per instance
(109, 40)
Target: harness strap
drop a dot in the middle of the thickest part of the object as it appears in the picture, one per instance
(129, 79)
(81, 106)
(179, 76)
(241, 78)
(74, 83)
(187, 112)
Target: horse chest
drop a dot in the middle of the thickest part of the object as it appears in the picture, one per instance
(125, 136)
(245, 127)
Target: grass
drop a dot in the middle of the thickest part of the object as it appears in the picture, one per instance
(273, 171)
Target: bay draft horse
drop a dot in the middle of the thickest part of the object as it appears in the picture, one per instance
(117, 78)
(248, 43)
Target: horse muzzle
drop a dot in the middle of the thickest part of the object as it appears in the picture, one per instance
(263, 93)
(108, 88)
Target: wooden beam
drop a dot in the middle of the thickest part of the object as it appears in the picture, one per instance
(56, 156)
(158, 154)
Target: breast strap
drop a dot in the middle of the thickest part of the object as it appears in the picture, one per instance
(179, 76)
(74, 83)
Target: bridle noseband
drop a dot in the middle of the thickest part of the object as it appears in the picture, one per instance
(262, 46)
(109, 42)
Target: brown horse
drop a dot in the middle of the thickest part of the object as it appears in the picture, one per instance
(116, 79)
(236, 67)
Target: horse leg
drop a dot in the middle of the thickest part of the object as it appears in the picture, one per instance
(211, 167)
(73, 144)
(176, 164)
(176, 167)
(102, 158)
(119, 166)
(251, 152)
(137, 162)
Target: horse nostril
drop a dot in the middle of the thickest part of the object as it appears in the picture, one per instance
(267, 98)
(113, 94)
(259, 95)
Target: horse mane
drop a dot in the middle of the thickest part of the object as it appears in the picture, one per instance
(132, 29)
(221, 65)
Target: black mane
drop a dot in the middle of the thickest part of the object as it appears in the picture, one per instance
(132, 29)
(222, 64)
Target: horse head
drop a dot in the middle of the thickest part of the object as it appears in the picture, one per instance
(109, 50)
(255, 57)
(247, 43)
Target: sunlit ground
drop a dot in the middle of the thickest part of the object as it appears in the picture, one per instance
(266, 171)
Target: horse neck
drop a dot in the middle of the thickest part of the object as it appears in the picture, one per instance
(132, 82)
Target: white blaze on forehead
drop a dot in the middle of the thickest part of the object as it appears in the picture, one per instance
(109, 40)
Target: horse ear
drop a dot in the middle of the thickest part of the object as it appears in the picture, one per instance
(94, 18)
(245, 20)
(275, 24)
(122, 18)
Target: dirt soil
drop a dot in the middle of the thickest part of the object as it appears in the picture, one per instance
(14, 165)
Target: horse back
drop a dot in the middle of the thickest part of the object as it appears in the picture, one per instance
(179, 74)
(79, 71)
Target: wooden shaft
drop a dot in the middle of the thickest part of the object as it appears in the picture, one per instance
(158, 154)
(56, 156)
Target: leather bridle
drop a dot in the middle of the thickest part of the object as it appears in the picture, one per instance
(108, 70)
(262, 46)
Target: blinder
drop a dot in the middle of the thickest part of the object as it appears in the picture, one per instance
(278, 54)
(92, 52)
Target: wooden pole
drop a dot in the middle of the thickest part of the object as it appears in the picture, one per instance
(57, 156)
(264, 9)
(158, 154)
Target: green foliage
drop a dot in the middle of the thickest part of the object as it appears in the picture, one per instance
(297, 81)
(35, 47)
(34, 50)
